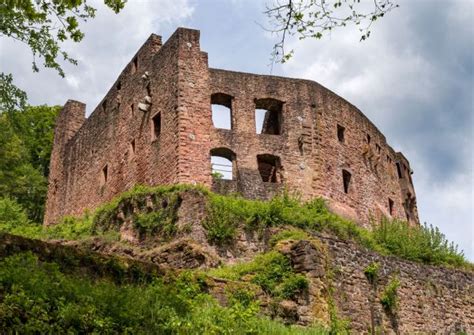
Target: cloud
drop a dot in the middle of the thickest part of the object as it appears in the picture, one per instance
(413, 78)
(110, 42)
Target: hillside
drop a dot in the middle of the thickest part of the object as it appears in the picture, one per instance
(183, 260)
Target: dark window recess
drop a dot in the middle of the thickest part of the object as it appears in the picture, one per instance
(222, 163)
(269, 167)
(268, 116)
(368, 138)
(340, 133)
(346, 179)
(134, 65)
(104, 104)
(156, 120)
(390, 206)
(119, 86)
(132, 147)
(132, 109)
(221, 105)
(105, 175)
(399, 171)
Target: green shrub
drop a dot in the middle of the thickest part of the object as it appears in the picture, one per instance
(12, 214)
(389, 298)
(293, 285)
(38, 298)
(372, 272)
(271, 271)
(289, 234)
(424, 244)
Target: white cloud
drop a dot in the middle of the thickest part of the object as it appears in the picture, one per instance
(110, 42)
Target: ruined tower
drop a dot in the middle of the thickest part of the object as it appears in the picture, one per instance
(155, 126)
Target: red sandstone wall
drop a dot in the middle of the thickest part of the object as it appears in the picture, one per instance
(311, 114)
(179, 84)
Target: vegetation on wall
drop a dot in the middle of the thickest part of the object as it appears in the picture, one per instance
(226, 214)
(37, 297)
(389, 297)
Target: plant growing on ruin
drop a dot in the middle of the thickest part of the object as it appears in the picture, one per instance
(372, 272)
(389, 297)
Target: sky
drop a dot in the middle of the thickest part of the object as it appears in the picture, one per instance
(413, 78)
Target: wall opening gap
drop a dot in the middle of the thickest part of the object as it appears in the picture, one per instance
(223, 164)
(269, 167)
(221, 106)
(104, 175)
(340, 133)
(399, 171)
(268, 116)
(390, 206)
(346, 180)
(156, 126)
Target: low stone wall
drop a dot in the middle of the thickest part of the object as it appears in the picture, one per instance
(432, 300)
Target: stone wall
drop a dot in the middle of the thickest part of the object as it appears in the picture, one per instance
(432, 300)
(169, 87)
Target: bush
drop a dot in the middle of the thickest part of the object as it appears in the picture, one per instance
(38, 298)
(389, 298)
(372, 272)
(424, 244)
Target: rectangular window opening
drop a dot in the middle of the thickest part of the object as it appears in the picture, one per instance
(119, 86)
(390, 206)
(268, 116)
(346, 179)
(269, 167)
(340, 133)
(378, 148)
(104, 175)
(221, 107)
(156, 124)
(399, 171)
(132, 148)
(104, 104)
(368, 139)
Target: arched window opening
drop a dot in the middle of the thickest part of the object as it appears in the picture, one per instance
(269, 167)
(223, 163)
(268, 116)
(221, 105)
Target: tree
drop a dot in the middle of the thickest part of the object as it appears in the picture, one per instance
(314, 18)
(43, 25)
(25, 147)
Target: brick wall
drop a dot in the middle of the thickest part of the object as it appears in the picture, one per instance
(173, 81)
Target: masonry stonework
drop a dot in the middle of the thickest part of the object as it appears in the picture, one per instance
(155, 127)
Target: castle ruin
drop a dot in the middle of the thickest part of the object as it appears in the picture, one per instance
(155, 126)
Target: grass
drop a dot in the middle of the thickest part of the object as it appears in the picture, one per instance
(228, 214)
(36, 297)
(271, 271)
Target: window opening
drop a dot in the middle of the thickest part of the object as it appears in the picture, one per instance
(119, 86)
(346, 179)
(340, 133)
(269, 167)
(134, 65)
(268, 116)
(132, 148)
(390, 206)
(368, 139)
(104, 175)
(222, 163)
(156, 124)
(221, 106)
(378, 148)
(399, 171)
(104, 104)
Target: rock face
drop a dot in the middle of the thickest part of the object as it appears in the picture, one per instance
(155, 127)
